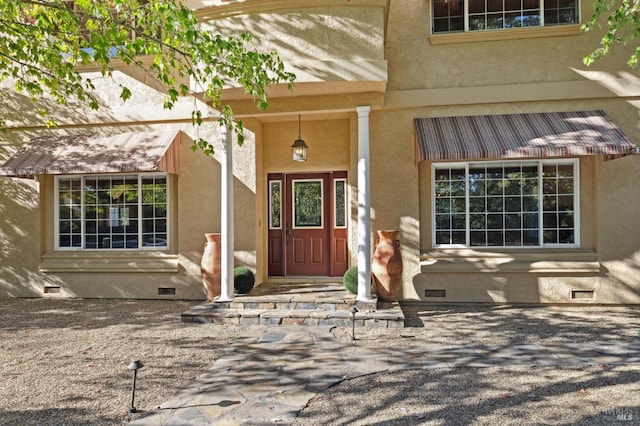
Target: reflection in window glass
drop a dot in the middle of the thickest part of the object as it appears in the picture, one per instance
(307, 204)
(127, 211)
(505, 204)
(340, 186)
(275, 208)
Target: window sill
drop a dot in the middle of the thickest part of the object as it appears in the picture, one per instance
(145, 261)
(506, 34)
(510, 261)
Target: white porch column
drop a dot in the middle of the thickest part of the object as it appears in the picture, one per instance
(226, 218)
(364, 207)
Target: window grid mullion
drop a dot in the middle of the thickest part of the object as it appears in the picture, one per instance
(467, 212)
(466, 16)
(83, 228)
(540, 205)
(56, 213)
(110, 206)
(140, 216)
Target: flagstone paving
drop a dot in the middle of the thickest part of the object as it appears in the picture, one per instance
(269, 376)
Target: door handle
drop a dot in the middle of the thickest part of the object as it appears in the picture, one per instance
(288, 232)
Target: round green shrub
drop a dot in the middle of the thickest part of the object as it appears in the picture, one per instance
(350, 280)
(243, 280)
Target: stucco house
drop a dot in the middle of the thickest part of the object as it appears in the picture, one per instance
(473, 128)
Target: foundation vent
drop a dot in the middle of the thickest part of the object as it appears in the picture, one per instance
(166, 291)
(581, 294)
(51, 289)
(435, 293)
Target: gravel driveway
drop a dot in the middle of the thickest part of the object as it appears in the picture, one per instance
(64, 362)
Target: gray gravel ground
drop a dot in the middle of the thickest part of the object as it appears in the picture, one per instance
(577, 395)
(64, 363)
(483, 396)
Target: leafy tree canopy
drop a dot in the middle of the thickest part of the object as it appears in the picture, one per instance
(623, 27)
(44, 43)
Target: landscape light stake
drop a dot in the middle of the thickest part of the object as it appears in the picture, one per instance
(353, 322)
(135, 366)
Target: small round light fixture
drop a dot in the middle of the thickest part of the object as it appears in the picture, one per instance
(299, 148)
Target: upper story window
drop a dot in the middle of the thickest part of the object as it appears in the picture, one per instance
(506, 204)
(477, 15)
(115, 211)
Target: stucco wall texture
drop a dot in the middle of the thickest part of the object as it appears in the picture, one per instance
(347, 54)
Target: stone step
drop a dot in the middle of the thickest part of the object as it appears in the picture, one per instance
(281, 303)
(390, 317)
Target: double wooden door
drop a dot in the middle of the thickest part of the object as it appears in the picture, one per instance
(307, 224)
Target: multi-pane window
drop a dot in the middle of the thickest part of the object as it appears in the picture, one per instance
(506, 203)
(475, 15)
(117, 211)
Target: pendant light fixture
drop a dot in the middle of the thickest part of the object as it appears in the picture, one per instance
(299, 148)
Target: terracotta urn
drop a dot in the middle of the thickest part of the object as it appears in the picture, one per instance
(386, 267)
(210, 266)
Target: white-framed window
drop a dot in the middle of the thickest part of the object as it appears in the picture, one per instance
(113, 211)
(530, 203)
(478, 15)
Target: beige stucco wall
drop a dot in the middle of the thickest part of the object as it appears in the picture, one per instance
(19, 230)
(310, 30)
(319, 42)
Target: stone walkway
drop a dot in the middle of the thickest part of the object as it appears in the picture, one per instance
(270, 375)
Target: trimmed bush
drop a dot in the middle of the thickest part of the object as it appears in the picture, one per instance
(350, 280)
(243, 280)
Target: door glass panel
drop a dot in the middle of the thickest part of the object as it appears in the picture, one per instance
(340, 203)
(275, 210)
(307, 203)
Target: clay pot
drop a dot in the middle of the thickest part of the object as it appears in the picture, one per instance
(210, 266)
(386, 266)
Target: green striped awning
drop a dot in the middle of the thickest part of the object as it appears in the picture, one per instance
(124, 152)
(551, 134)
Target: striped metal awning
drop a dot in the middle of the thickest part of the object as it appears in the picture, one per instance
(553, 134)
(125, 152)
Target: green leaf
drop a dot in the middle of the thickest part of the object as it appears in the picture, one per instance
(125, 94)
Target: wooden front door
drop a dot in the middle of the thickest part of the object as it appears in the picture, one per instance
(307, 224)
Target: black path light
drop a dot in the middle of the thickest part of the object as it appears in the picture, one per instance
(135, 365)
(353, 322)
